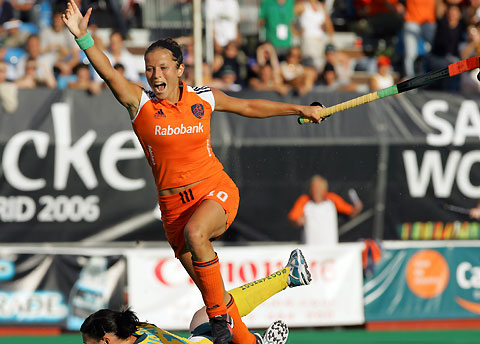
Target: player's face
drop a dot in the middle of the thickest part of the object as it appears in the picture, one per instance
(162, 73)
(88, 340)
(318, 190)
(109, 338)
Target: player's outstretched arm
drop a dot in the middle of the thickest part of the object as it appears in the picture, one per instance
(127, 93)
(261, 108)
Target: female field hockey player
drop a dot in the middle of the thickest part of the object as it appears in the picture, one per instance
(111, 327)
(197, 198)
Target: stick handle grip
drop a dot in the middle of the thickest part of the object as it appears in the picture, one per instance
(367, 98)
(422, 80)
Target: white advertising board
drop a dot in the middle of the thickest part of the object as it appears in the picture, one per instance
(161, 292)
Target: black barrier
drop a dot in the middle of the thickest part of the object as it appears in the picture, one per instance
(59, 290)
(270, 180)
(435, 188)
(71, 168)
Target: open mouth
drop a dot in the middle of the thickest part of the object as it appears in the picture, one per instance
(160, 86)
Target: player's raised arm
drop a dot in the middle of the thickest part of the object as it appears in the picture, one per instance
(261, 108)
(127, 93)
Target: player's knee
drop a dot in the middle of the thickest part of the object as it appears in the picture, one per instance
(195, 236)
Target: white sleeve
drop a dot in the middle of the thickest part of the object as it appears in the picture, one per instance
(145, 98)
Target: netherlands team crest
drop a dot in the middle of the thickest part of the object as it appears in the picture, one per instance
(198, 110)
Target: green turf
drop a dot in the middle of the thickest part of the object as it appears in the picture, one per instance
(384, 337)
(314, 337)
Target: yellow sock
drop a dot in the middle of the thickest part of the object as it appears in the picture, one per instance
(250, 295)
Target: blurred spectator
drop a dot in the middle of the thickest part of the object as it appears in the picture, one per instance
(418, 28)
(217, 65)
(236, 59)
(59, 44)
(12, 36)
(472, 46)
(330, 82)
(36, 75)
(8, 90)
(186, 42)
(25, 10)
(383, 78)
(378, 25)
(315, 26)
(84, 80)
(265, 54)
(300, 77)
(121, 68)
(133, 13)
(111, 8)
(225, 17)
(317, 213)
(380, 18)
(6, 11)
(460, 3)
(43, 61)
(206, 74)
(445, 49)
(265, 70)
(267, 81)
(468, 81)
(473, 12)
(117, 53)
(227, 80)
(189, 77)
(344, 67)
(230, 79)
(329, 79)
(93, 29)
(277, 17)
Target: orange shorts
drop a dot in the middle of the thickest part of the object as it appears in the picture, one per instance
(177, 209)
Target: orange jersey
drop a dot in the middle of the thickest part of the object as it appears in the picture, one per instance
(420, 11)
(176, 137)
(340, 204)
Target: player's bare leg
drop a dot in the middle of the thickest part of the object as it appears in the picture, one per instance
(207, 223)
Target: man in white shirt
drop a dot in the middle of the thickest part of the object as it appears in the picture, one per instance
(225, 16)
(317, 213)
(118, 54)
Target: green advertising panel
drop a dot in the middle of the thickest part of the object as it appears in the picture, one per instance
(424, 283)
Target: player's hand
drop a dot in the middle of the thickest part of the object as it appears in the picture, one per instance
(311, 112)
(475, 213)
(358, 206)
(74, 21)
(300, 222)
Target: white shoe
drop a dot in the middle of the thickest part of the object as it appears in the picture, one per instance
(299, 274)
(277, 333)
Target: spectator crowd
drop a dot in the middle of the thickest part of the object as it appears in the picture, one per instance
(295, 50)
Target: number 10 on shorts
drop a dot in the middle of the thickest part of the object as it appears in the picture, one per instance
(221, 195)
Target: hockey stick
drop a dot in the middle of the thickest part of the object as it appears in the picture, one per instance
(456, 209)
(407, 85)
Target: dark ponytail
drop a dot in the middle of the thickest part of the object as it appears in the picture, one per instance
(123, 324)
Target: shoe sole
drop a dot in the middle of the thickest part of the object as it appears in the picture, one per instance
(277, 333)
(305, 277)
